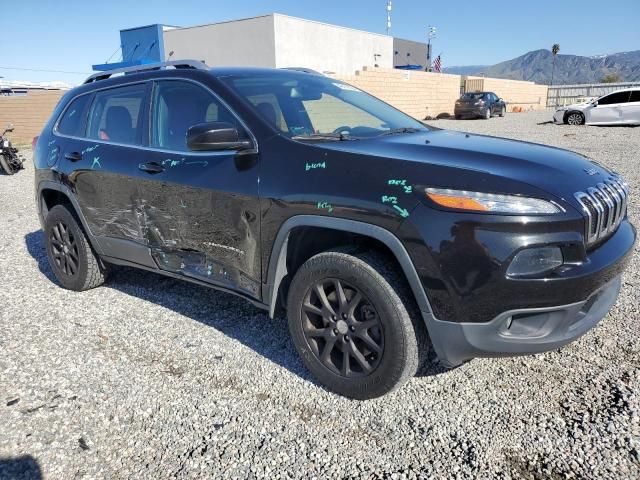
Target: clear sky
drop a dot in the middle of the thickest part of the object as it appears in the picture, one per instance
(70, 35)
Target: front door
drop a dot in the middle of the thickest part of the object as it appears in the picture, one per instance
(200, 209)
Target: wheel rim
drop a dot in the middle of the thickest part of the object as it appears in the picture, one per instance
(574, 119)
(342, 328)
(488, 114)
(64, 249)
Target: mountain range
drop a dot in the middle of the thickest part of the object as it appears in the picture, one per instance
(537, 66)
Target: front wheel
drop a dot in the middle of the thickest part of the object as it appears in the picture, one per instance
(487, 114)
(575, 118)
(350, 326)
(503, 111)
(5, 163)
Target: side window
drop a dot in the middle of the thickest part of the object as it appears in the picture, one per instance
(117, 115)
(328, 113)
(177, 106)
(618, 97)
(635, 96)
(73, 121)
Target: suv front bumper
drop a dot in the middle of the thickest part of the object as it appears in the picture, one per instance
(523, 331)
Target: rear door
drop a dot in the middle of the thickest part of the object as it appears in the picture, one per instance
(631, 111)
(200, 209)
(100, 162)
(609, 109)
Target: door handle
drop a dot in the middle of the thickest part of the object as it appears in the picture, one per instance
(151, 167)
(73, 156)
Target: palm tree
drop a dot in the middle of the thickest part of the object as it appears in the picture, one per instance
(555, 49)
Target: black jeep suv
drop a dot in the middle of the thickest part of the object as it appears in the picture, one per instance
(388, 242)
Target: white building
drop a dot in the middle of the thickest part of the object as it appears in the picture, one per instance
(278, 41)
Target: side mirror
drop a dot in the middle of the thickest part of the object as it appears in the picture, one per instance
(9, 127)
(215, 136)
(595, 103)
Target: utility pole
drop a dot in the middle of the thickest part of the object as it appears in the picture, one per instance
(389, 8)
(431, 33)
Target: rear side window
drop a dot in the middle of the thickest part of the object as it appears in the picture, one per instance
(73, 120)
(635, 96)
(178, 106)
(618, 97)
(117, 115)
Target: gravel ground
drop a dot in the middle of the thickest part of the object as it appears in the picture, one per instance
(148, 377)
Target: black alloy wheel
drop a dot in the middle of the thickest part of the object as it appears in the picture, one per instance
(342, 328)
(64, 249)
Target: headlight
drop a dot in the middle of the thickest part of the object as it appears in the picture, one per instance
(490, 202)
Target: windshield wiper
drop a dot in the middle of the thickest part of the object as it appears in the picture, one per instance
(321, 137)
(394, 131)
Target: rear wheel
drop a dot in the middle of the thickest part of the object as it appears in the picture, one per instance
(71, 257)
(6, 165)
(350, 326)
(575, 118)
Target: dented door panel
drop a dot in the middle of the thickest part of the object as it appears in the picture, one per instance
(200, 217)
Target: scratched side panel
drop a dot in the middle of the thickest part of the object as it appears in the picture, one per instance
(105, 185)
(200, 218)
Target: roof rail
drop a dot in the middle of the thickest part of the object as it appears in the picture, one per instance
(148, 66)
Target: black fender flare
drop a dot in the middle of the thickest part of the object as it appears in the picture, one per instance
(51, 185)
(278, 260)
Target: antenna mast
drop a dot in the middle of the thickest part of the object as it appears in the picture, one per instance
(389, 8)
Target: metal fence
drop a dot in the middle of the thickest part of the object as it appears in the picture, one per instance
(567, 94)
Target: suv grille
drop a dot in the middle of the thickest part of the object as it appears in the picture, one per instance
(604, 205)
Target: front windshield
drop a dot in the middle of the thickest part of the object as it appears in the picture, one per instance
(305, 105)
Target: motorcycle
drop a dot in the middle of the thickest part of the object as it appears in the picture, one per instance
(10, 162)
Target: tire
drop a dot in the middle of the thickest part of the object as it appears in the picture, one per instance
(378, 326)
(458, 117)
(6, 166)
(73, 261)
(503, 111)
(574, 118)
(487, 114)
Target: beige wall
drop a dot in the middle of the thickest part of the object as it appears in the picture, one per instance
(28, 113)
(419, 94)
(519, 94)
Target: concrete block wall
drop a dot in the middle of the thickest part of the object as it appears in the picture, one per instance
(419, 94)
(28, 113)
(517, 93)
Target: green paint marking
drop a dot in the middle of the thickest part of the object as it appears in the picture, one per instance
(388, 199)
(325, 206)
(397, 182)
(403, 212)
(314, 166)
(89, 149)
(96, 161)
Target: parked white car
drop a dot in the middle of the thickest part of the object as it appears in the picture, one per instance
(618, 108)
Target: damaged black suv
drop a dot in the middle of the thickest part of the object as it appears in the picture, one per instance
(388, 242)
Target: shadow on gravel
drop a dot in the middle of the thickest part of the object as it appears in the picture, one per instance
(231, 315)
(20, 468)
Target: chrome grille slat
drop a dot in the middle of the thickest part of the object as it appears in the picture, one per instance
(604, 207)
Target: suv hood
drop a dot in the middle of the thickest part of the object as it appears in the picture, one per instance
(551, 169)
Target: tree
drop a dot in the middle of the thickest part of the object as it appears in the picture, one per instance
(555, 49)
(611, 78)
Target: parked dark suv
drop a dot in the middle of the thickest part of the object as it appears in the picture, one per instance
(479, 105)
(384, 239)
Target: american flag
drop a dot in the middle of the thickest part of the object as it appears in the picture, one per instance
(437, 65)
